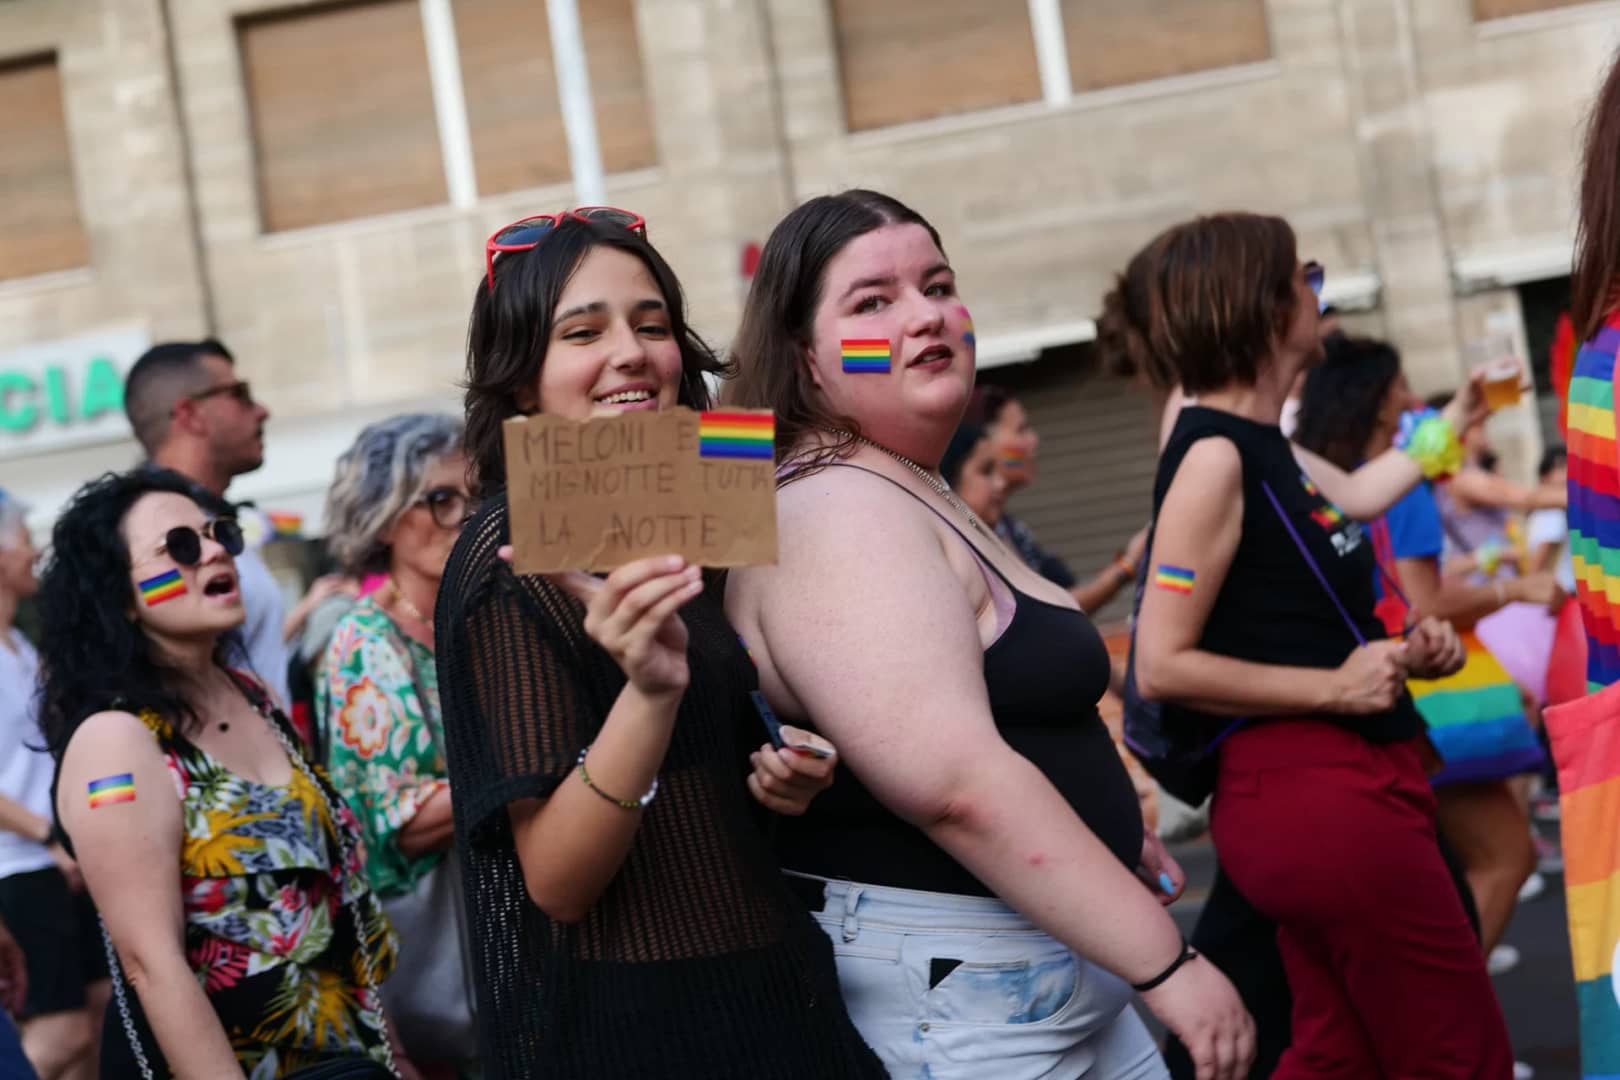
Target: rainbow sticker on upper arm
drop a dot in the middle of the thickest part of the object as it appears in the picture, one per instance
(112, 789)
(751, 436)
(165, 586)
(866, 355)
(1174, 578)
(967, 325)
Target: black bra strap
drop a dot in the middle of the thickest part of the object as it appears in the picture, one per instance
(977, 554)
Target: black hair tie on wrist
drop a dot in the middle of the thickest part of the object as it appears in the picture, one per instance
(1187, 953)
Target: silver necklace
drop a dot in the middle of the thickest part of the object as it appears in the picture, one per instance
(940, 487)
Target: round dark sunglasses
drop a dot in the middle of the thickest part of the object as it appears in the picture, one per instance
(184, 544)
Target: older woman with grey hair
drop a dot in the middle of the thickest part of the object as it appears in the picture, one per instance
(395, 509)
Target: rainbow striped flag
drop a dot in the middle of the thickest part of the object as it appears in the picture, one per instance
(866, 355)
(286, 525)
(749, 434)
(1585, 733)
(165, 586)
(112, 789)
(1476, 720)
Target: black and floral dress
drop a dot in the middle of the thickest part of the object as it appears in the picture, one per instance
(268, 924)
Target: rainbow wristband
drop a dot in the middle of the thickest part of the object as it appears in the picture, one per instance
(1429, 439)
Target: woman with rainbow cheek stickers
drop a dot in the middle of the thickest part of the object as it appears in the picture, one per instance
(600, 733)
(975, 868)
(228, 873)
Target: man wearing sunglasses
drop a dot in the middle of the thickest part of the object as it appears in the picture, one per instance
(194, 416)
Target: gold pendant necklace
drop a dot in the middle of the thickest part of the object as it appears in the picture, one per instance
(405, 602)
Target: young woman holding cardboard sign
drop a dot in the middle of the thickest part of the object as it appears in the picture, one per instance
(628, 918)
(978, 872)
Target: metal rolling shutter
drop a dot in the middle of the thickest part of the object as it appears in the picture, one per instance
(1099, 442)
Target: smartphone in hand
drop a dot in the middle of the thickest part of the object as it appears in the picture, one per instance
(773, 727)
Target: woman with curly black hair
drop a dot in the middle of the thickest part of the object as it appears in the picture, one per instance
(227, 871)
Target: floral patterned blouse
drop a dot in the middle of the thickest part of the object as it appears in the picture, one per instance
(268, 923)
(376, 694)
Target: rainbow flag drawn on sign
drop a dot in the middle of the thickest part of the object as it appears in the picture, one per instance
(749, 435)
(165, 586)
(866, 355)
(112, 789)
(286, 524)
(1585, 733)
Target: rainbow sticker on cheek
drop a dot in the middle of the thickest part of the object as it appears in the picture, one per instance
(166, 586)
(865, 356)
(967, 326)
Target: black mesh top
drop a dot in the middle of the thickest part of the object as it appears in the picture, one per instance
(696, 961)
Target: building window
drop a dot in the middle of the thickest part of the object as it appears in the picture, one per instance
(1496, 9)
(40, 230)
(342, 111)
(1114, 42)
(510, 86)
(906, 60)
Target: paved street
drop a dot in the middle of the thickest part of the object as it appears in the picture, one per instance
(1538, 996)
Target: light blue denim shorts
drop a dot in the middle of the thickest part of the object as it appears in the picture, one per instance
(949, 987)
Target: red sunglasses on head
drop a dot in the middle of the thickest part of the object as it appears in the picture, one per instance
(526, 233)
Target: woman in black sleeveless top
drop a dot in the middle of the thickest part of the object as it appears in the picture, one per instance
(1322, 813)
(974, 867)
(628, 917)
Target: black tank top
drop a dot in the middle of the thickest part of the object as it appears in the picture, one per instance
(1271, 608)
(1045, 674)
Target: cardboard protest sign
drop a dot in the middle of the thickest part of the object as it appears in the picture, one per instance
(596, 494)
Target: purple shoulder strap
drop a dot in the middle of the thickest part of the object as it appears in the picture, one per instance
(1299, 542)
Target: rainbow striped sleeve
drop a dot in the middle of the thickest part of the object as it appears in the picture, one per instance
(165, 586)
(1594, 501)
(866, 355)
(112, 789)
(1175, 578)
(748, 435)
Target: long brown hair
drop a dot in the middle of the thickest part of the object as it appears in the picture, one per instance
(1202, 305)
(1596, 274)
(769, 349)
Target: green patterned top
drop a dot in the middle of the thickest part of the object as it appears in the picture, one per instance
(381, 753)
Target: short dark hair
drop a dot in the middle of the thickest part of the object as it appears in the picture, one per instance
(987, 403)
(163, 375)
(1552, 458)
(1596, 272)
(1202, 304)
(963, 440)
(510, 330)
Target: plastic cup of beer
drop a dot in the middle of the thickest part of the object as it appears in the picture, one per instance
(1502, 386)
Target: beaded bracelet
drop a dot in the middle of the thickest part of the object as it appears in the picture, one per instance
(623, 804)
(1429, 439)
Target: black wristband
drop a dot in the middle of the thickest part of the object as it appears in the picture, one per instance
(1187, 953)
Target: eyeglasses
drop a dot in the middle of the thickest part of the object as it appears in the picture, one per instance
(526, 234)
(241, 391)
(1316, 277)
(183, 544)
(450, 507)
